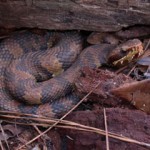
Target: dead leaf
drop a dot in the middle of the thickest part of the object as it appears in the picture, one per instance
(10, 131)
(36, 147)
(138, 93)
(12, 128)
(144, 61)
(4, 137)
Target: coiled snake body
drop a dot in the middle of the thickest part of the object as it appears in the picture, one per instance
(26, 68)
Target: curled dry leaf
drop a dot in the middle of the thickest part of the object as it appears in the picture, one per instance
(138, 93)
(10, 131)
(100, 37)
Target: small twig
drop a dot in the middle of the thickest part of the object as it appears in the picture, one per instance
(106, 129)
(29, 142)
(4, 136)
(1, 145)
(37, 129)
(121, 69)
(131, 70)
(44, 137)
(147, 45)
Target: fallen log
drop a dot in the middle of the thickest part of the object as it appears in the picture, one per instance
(93, 15)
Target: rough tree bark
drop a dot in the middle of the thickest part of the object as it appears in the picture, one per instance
(96, 15)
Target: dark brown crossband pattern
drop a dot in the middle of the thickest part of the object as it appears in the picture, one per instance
(38, 71)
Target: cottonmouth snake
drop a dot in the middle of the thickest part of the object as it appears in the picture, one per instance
(26, 69)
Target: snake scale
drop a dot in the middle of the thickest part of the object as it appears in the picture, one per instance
(27, 63)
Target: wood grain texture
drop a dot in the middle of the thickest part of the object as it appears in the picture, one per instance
(95, 15)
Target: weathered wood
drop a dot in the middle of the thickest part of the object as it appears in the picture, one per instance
(97, 15)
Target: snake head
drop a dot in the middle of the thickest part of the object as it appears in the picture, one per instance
(126, 52)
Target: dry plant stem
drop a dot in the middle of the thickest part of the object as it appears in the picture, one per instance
(72, 125)
(1, 146)
(60, 118)
(36, 128)
(1, 128)
(48, 122)
(106, 129)
(44, 137)
(121, 69)
(131, 70)
(39, 132)
(94, 130)
(147, 45)
(2, 37)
